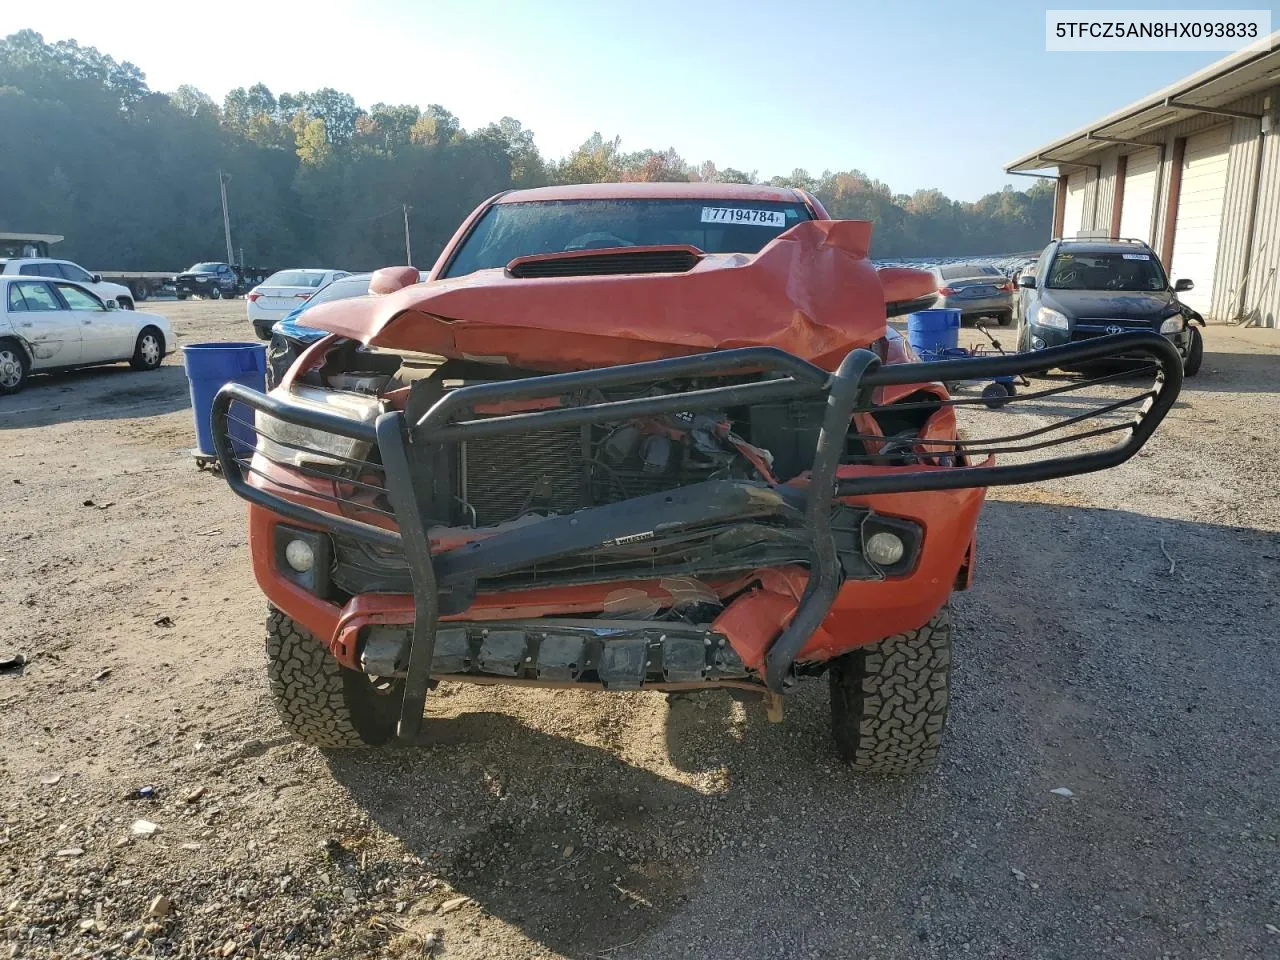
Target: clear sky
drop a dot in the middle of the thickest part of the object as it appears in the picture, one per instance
(916, 94)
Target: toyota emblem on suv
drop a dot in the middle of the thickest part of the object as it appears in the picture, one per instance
(1114, 329)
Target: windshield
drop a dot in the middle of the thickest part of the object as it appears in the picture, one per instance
(510, 230)
(1106, 271)
(294, 278)
(342, 289)
(204, 268)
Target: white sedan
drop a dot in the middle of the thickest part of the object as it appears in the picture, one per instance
(56, 324)
(275, 298)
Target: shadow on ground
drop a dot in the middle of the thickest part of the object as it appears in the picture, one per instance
(1081, 661)
(115, 392)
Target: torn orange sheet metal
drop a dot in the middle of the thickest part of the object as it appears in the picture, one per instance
(811, 291)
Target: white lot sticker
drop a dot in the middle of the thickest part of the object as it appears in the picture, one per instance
(758, 218)
(1136, 256)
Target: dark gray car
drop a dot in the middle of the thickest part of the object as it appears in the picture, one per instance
(976, 290)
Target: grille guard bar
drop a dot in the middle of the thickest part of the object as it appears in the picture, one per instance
(847, 391)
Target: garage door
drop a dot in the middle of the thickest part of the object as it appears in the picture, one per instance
(1199, 222)
(1139, 194)
(1073, 213)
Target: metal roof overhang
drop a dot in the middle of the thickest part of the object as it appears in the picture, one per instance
(49, 238)
(1247, 71)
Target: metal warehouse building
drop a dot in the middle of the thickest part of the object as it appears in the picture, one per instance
(1194, 170)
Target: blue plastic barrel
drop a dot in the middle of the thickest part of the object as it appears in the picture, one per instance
(211, 365)
(932, 332)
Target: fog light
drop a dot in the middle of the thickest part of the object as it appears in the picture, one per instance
(299, 555)
(1037, 343)
(884, 549)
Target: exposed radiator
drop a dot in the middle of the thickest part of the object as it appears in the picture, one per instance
(504, 477)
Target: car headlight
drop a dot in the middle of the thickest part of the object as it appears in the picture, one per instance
(1173, 324)
(1049, 317)
(293, 445)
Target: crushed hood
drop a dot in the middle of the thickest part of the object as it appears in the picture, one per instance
(811, 291)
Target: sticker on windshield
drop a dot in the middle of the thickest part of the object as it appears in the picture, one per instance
(758, 218)
(1137, 256)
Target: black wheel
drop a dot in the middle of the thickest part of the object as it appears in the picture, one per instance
(13, 366)
(148, 351)
(320, 701)
(181, 296)
(996, 395)
(124, 303)
(215, 294)
(889, 700)
(1195, 354)
(140, 291)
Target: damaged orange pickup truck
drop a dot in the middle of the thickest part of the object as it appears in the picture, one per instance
(642, 436)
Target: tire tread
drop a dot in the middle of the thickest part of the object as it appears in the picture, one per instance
(311, 693)
(889, 700)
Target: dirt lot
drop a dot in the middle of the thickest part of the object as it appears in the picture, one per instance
(1120, 641)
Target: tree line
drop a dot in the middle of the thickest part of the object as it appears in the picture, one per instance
(130, 175)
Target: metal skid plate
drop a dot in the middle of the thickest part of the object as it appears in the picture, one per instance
(502, 652)
(561, 656)
(617, 655)
(624, 663)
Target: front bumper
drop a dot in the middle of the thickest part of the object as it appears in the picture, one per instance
(443, 579)
(1083, 333)
(198, 287)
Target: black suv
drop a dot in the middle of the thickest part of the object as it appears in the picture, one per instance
(1089, 288)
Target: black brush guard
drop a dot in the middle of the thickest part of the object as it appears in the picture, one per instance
(848, 390)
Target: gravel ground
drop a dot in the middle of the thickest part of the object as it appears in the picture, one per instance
(1119, 641)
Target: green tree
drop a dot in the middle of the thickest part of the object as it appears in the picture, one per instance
(130, 176)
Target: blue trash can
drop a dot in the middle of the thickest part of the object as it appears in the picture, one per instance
(932, 332)
(211, 365)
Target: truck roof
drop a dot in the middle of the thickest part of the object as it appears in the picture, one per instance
(657, 191)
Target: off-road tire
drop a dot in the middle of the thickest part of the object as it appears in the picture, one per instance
(889, 699)
(320, 701)
(124, 303)
(215, 294)
(1195, 354)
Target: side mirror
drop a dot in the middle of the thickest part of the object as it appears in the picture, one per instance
(111, 305)
(97, 278)
(1027, 282)
(1183, 285)
(390, 279)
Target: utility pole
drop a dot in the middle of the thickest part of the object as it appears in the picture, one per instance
(408, 253)
(226, 218)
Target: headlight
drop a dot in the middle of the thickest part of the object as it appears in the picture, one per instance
(1173, 324)
(1049, 317)
(289, 437)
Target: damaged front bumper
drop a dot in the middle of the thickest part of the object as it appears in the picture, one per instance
(555, 648)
